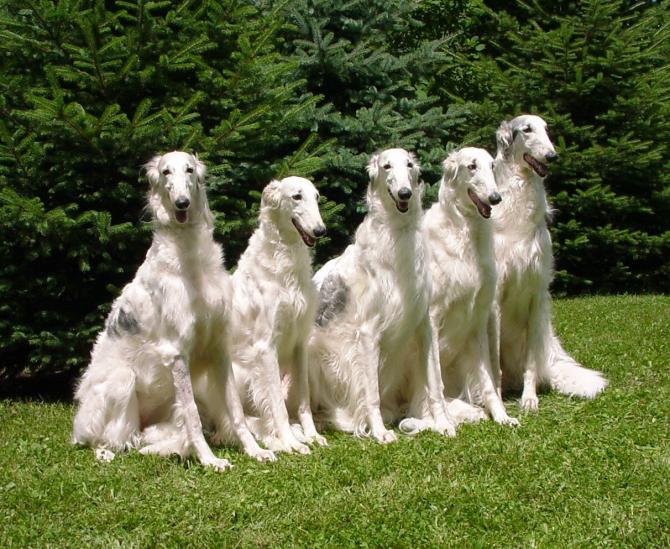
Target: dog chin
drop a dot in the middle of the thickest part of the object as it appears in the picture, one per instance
(482, 207)
(306, 238)
(537, 166)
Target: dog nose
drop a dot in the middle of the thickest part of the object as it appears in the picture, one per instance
(494, 198)
(320, 231)
(182, 203)
(550, 157)
(405, 193)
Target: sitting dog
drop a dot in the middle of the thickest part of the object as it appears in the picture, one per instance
(373, 316)
(459, 236)
(274, 308)
(163, 337)
(530, 354)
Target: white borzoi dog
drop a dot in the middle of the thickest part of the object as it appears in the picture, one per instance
(530, 354)
(163, 334)
(374, 316)
(459, 237)
(274, 307)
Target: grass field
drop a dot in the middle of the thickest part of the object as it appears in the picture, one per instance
(575, 474)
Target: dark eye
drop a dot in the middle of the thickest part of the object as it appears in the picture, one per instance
(189, 170)
(297, 196)
(472, 166)
(387, 166)
(526, 129)
(410, 165)
(166, 171)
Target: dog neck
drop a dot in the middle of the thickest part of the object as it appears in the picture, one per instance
(524, 200)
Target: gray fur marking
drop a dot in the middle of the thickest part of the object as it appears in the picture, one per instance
(334, 295)
(120, 322)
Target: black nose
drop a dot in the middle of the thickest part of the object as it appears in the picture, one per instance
(550, 157)
(494, 198)
(405, 193)
(320, 231)
(182, 203)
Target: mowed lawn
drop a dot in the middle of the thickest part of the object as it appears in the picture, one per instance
(577, 473)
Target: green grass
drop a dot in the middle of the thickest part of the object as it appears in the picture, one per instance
(577, 473)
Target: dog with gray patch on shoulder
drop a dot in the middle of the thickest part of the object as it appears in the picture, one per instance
(166, 340)
(530, 353)
(274, 307)
(459, 237)
(373, 320)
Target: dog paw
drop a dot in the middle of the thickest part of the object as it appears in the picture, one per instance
(263, 455)
(302, 449)
(530, 403)
(385, 437)
(506, 420)
(218, 464)
(318, 439)
(445, 427)
(104, 455)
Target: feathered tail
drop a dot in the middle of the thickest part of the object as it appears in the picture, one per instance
(569, 377)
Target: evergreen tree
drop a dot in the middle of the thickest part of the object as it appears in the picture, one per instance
(598, 72)
(358, 57)
(90, 91)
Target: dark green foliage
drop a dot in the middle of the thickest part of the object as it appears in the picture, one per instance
(598, 72)
(263, 89)
(91, 90)
(358, 57)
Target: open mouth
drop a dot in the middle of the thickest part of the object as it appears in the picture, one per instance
(307, 239)
(539, 168)
(482, 207)
(401, 205)
(181, 216)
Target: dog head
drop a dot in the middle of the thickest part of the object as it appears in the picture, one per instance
(177, 192)
(468, 178)
(525, 141)
(394, 174)
(293, 204)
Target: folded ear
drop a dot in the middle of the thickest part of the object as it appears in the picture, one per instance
(151, 170)
(449, 169)
(200, 169)
(504, 137)
(373, 167)
(415, 170)
(271, 197)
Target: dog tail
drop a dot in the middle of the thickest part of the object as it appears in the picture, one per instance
(569, 377)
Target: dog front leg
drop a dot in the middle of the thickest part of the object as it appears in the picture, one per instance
(493, 335)
(299, 396)
(233, 410)
(535, 351)
(189, 412)
(431, 377)
(368, 360)
(481, 351)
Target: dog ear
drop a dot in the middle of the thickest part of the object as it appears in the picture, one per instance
(373, 167)
(504, 137)
(415, 170)
(271, 197)
(200, 169)
(151, 170)
(449, 169)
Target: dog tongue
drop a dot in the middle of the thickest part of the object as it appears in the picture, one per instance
(181, 216)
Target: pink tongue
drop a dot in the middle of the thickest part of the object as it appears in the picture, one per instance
(181, 216)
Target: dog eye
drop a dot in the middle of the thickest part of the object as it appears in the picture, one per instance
(472, 166)
(387, 166)
(526, 129)
(189, 170)
(410, 165)
(297, 196)
(166, 172)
